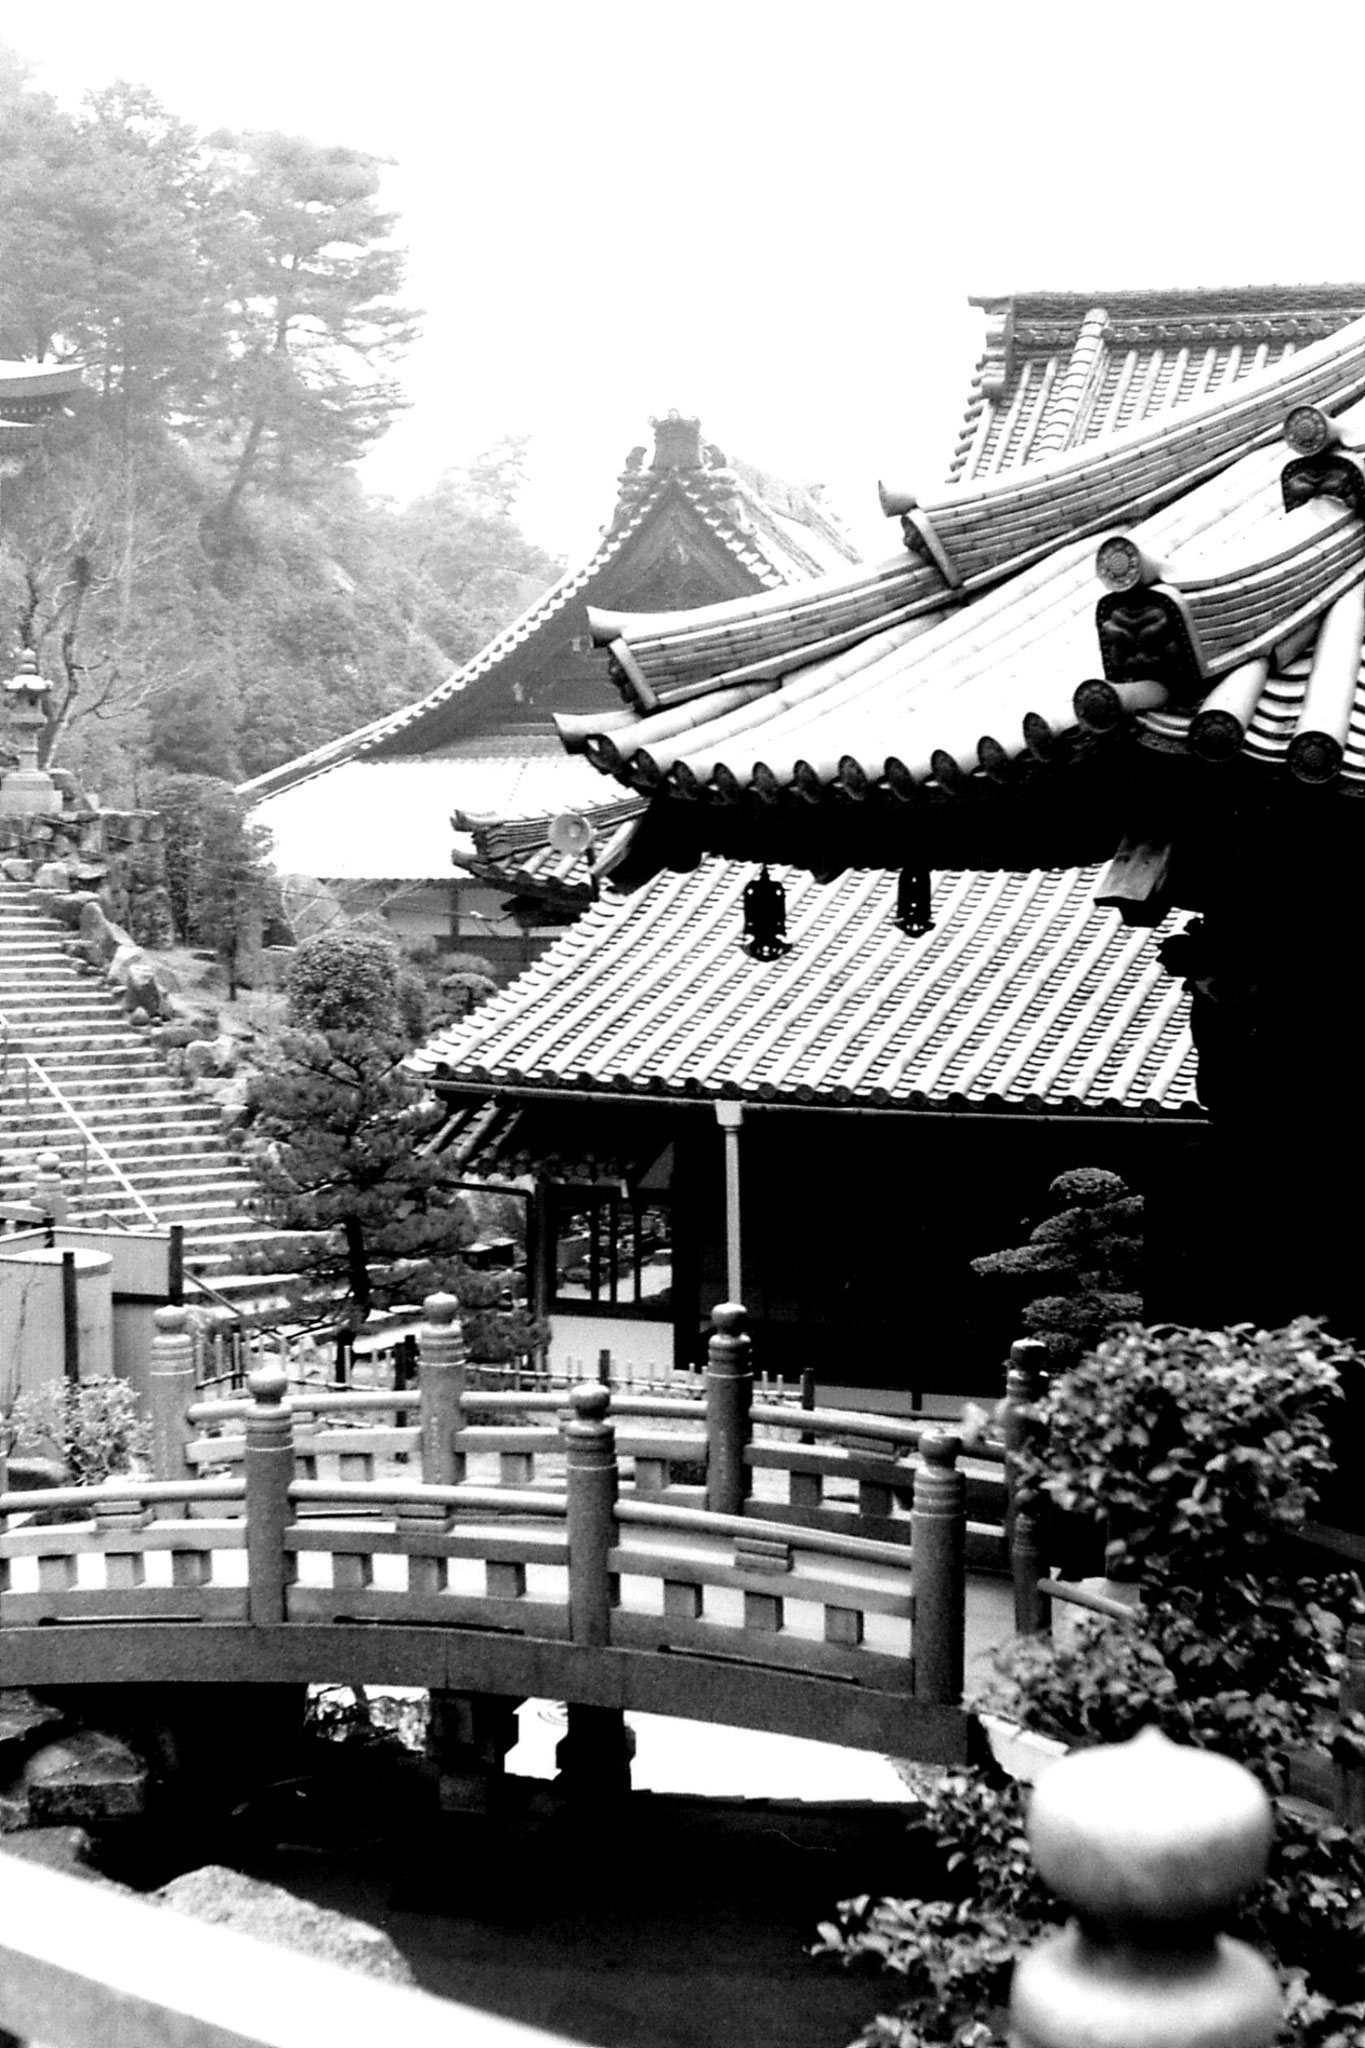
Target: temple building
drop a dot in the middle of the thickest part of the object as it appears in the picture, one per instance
(1124, 636)
(370, 814)
(695, 1119)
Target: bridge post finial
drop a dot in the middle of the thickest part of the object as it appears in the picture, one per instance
(729, 1398)
(593, 1480)
(1025, 1381)
(1153, 1844)
(170, 1390)
(938, 1562)
(269, 1466)
(441, 1380)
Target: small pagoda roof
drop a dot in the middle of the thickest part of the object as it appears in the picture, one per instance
(32, 390)
(766, 531)
(1023, 997)
(1220, 618)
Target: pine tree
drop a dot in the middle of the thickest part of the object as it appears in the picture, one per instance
(1088, 1254)
(344, 1125)
(342, 1129)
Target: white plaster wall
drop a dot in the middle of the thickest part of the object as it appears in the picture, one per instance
(644, 1348)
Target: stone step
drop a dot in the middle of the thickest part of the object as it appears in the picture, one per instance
(166, 1142)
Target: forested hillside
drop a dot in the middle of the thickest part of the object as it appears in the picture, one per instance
(206, 584)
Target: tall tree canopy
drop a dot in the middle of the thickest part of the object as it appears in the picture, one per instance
(206, 585)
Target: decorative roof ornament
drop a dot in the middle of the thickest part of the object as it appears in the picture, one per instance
(915, 902)
(1324, 465)
(765, 918)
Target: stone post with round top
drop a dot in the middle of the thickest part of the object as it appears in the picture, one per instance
(592, 1481)
(269, 1467)
(1024, 1382)
(441, 1383)
(729, 1396)
(938, 1563)
(170, 1387)
(1153, 1845)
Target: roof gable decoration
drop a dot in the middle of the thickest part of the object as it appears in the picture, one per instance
(1227, 624)
(774, 533)
(1213, 661)
(970, 538)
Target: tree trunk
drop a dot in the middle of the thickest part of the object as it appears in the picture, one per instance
(357, 1270)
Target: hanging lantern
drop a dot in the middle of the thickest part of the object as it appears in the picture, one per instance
(915, 902)
(765, 918)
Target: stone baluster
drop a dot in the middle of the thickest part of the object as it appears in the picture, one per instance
(441, 1383)
(938, 1559)
(171, 1388)
(729, 1397)
(1153, 1845)
(269, 1463)
(593, 1479)
(1024, 1505)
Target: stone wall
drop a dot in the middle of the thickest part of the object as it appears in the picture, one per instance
(115, 856)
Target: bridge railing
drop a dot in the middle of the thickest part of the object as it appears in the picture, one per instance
(814, 1468)
(581, 1564)
(192, 1528)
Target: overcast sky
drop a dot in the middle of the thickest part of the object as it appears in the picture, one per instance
(768, 214)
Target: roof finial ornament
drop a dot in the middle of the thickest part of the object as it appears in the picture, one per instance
(765, 918)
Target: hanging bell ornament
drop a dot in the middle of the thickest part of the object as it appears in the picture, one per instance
(765, 918)
(915, 902)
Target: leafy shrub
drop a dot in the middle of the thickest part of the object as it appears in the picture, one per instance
(954, 1954)
(93, 1426)
(346, 981)
(1204, 1451)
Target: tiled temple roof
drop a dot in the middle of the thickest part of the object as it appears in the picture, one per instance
(1024, 996)
(35, 390)
(774, 531)
(1060, 369)
(1226, 623)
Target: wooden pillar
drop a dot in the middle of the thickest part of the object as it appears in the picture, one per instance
(938, 1553)
(71, 1319)
(594, 1758)
(1153, 1845)
(269, 1463)
(468, 1737)
(729, 1397)
(730, 1117)
(170, 1386)
(1024, 1505)
(592, 1487)
(441, 1381)
(175, 1265)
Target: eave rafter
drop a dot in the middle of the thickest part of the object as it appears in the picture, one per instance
(968, 538)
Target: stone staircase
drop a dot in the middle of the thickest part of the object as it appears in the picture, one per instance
(138, 1147)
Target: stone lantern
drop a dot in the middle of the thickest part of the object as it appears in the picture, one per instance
(27, 790)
